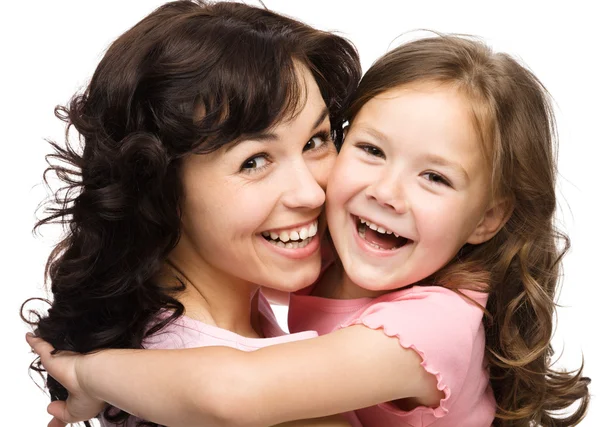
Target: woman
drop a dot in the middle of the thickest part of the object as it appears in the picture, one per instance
(207, 134)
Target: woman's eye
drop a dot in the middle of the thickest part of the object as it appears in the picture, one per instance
(254, 163)
(371, 150)
(436, 178)
(315, 142)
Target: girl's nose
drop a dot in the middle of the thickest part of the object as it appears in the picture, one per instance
(389, 193)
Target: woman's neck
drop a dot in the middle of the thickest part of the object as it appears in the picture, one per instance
(214, 297)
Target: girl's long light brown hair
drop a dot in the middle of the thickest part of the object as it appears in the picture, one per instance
(520, 266)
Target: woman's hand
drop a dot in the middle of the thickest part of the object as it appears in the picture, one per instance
(63, 367)
(332, 421)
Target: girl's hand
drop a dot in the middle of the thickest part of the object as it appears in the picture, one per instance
(79, 406)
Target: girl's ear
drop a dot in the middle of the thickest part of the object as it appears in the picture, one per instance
(493, 220)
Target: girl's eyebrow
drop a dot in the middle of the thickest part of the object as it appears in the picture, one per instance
(371, 131)
(267, 136)
(442, 161)
(430, 157)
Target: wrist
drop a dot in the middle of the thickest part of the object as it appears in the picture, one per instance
(84, 371)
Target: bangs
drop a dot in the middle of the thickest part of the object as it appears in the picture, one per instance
(251, 88)
(204, 75)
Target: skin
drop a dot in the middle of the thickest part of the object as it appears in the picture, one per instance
(386, 173)
(267, 182)
(412, 164)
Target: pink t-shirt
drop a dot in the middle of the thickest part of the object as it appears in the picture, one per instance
(186, 332)
(444, 328)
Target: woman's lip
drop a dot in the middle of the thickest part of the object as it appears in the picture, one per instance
(291, 227)
(297, 253)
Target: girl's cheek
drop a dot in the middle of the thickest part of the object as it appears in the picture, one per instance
(322, 169)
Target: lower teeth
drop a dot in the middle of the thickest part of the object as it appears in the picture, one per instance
(361, 232)
(290, 245)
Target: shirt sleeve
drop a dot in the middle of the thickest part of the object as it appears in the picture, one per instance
(437, 323)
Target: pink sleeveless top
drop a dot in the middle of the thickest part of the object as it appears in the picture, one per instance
(186, 332)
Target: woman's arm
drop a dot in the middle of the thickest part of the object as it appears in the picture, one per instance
(348, 369)
(333, 421)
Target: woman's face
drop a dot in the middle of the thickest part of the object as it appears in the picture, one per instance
(251, 211)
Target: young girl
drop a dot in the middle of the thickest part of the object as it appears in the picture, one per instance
(441, 208)
(206, 129)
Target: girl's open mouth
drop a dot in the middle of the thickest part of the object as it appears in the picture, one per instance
(378, 237)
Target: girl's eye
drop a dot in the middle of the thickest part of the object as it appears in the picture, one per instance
(372, 150)
(436, 179)
(254, 164)
(319, 140)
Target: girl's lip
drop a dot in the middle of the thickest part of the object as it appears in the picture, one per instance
(369, 249)
(359, 218)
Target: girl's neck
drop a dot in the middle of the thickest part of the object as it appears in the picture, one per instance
(215, 297)
(336, 284)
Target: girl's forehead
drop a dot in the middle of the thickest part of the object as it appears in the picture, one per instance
(426, 86)
(412, 104)
(424, 119)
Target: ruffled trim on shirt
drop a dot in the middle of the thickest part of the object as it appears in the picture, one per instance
(437, 412)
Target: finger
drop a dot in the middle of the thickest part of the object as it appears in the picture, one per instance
(55, 422)
(38, 345)
(58, 409)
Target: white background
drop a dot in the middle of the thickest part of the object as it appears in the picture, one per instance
(50, 49)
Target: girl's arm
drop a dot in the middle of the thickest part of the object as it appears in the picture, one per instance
(345, 370)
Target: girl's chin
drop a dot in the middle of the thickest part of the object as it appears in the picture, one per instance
(375, 284)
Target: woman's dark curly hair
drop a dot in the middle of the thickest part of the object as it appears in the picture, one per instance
(136, 120)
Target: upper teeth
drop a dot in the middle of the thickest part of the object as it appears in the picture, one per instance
(377, 228)
(293, 234)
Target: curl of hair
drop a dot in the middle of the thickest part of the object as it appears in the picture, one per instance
(520, 266)
(136, 120)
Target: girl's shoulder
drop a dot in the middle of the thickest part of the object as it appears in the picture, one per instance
(426, 311)
(435, 297)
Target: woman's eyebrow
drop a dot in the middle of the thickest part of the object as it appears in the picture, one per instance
(321, 118)
(267, 136)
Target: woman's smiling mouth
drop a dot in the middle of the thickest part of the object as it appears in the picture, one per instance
(292, 238)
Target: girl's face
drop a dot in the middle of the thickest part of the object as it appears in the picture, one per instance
(410, 186)
(251, 211)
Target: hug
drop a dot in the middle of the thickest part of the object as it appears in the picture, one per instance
(231, 158)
